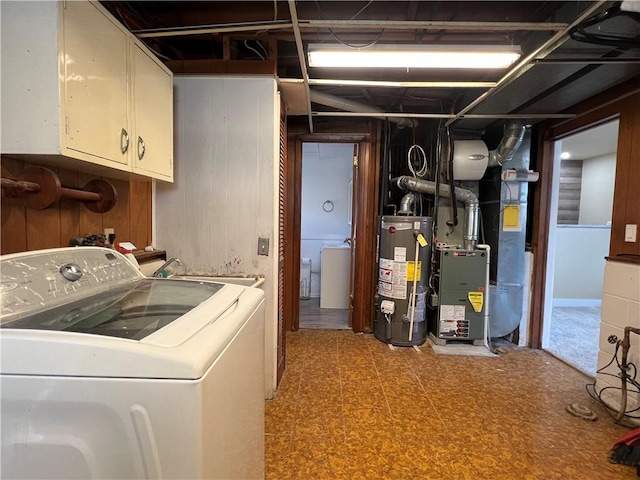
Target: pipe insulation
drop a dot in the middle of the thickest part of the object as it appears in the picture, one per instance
(511, 140)
(470, 199)
(340, 103)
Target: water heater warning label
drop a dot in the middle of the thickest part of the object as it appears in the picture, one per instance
(392, 279)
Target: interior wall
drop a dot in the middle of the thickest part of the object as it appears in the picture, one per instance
(620, 308)
(578, 282)
(596, 203)
(226, 185)
(326, 173)
(26, 229)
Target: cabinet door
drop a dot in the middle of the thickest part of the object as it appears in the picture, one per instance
(95, 85)
(153, 113)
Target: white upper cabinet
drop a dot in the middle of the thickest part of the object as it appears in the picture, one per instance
(153, 114)
(78, 90)
(95, 83)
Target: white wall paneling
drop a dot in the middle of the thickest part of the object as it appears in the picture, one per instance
(596, 201)
(226, 146)
(579, 264)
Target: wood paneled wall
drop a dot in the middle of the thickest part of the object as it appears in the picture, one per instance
(570, 191)
(25, 229)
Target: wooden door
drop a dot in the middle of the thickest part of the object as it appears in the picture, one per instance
(354, 206)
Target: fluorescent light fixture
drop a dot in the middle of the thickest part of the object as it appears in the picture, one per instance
(565, 155)
(413, 56)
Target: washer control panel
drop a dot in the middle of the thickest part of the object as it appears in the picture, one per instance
(33, 281)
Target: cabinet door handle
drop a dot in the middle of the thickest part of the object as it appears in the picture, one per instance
(141, 144)
(124, 141)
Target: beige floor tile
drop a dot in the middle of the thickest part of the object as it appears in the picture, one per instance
(350, 408)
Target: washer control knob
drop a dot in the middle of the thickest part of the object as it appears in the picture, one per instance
(71, 272)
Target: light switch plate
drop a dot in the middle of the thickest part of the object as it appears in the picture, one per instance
(263, 246)
(631, 233)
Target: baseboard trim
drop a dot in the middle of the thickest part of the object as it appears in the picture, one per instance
(577, 302)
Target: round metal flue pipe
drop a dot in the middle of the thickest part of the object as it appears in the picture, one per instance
(340, 103)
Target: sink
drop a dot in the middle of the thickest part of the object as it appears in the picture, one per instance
(244, 281)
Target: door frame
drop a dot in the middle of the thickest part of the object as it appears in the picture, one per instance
(600, 109)
(367, 136)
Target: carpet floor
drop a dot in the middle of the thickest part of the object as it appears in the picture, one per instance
(574, 337)
(350, 408)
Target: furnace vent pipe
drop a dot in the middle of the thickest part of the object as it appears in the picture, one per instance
(513, 135)
(407, 204)
(470, 199)
(333, 101)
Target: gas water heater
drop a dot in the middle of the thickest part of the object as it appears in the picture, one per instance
(402, 279)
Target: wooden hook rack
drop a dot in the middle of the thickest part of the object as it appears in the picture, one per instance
(40, 188)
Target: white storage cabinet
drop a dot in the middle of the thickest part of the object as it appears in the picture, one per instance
(76, 88)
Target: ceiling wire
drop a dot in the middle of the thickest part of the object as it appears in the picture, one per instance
(246, 44)
(346, 44)
(580, 34)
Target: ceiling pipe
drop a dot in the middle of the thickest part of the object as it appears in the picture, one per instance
(210, 29)
(392, 84)
(473, 116)
(431, 25)
(301, 58)
(470, 199)
(333, 101)
(338, 24)
(513, 135)
(525, 64)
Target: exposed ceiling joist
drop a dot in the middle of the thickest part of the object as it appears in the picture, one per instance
(525, 64)
(303, 63)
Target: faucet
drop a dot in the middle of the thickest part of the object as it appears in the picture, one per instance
(158, 272)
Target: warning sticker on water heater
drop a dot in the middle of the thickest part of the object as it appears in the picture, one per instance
(392, 279)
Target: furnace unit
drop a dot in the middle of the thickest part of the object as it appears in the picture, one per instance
(458, 303)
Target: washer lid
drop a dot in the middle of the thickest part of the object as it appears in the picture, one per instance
(184, 348)
(132, 311)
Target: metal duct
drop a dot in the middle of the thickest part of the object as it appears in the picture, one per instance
(407, 203)
(470, 199)
(513, 135)
(329, 100)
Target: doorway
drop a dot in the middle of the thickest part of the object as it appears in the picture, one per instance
(579, 235)
(325, 235)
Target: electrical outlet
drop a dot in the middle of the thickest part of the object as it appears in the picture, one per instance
(107, 232)
(263, 246)
(630, 233)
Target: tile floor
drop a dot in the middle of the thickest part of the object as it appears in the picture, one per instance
(312, 316)
(350, 408)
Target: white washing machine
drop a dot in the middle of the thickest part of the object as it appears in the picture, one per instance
(108, 374)
(334, 276)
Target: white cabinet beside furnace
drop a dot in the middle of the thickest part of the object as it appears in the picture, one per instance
(78, 90)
